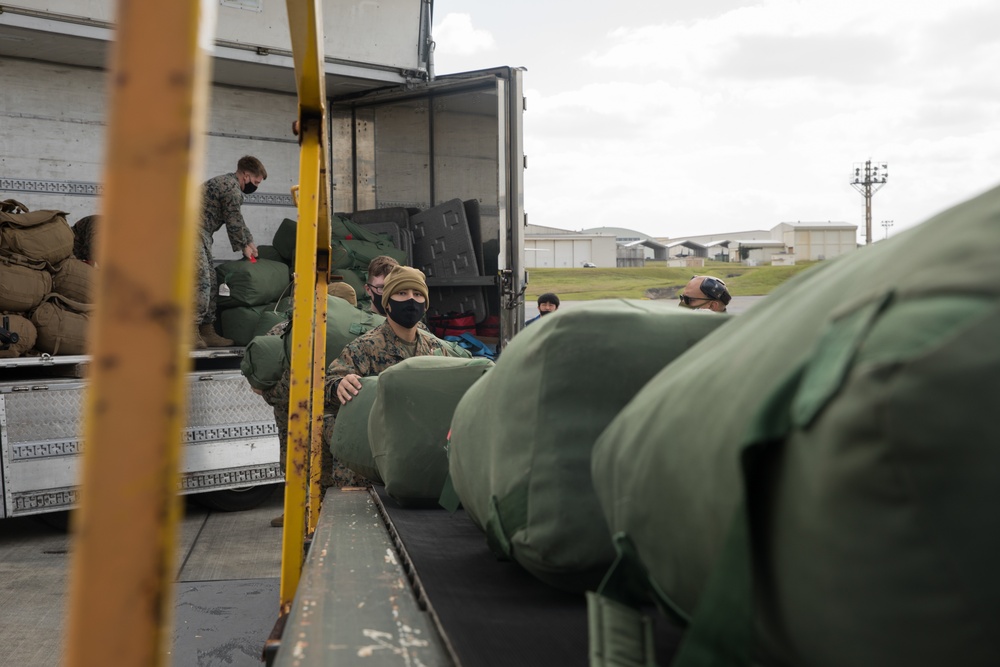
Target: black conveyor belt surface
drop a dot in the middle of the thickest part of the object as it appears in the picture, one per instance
(495, 613)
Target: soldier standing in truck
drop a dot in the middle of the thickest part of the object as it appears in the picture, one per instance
(222, 197)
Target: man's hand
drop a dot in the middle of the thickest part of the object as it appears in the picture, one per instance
(348, 387)
(250, 250)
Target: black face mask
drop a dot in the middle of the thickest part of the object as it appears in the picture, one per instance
(406, 313)
(377, 304)
(249, 188)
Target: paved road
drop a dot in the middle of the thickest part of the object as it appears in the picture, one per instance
(739, 304)
(225, 599)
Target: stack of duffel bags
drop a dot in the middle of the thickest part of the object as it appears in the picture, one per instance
(267, 357)
(258, 295)
(521, 438)
(352, 248)
(813, 483)
(817, 483)
(395, 431)
(47, 293)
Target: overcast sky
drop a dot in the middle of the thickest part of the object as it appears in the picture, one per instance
(684, 118)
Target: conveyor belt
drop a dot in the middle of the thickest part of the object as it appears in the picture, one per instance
(491, 612)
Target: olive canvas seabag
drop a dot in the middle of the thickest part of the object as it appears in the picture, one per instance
(409, 422)
(521, 439)
(344, 323)
(240, 323)
(264, 361)
(349, 439)
(252, 283)
(838, 507)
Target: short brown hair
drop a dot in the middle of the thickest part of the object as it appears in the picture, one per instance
(252, 165)
(381, 266)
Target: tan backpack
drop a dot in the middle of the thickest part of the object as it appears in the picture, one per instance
(62, 325)
(74, 278)
(23, 283)
(41, 235)
(17, 335)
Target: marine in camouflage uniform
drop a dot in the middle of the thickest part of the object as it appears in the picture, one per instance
(332, 473)
(221, 202)
(375, 351)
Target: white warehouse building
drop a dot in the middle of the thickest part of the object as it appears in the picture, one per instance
(553, 248)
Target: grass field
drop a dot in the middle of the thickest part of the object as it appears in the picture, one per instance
(664, 282)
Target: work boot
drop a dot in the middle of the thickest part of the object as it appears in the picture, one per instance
(211, 338)
(197, 342)
(278, 521)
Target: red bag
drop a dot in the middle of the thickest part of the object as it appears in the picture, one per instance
(453, 324)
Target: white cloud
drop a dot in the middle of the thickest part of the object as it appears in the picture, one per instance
(728, 118)
(456, 36)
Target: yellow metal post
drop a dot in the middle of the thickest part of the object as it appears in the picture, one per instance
(124, 531)
(312, 251)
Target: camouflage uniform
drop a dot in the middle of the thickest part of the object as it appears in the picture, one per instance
(332, 472)
(83, 238)
(221, 202)
(372, 353)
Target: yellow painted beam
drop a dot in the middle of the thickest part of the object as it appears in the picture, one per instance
(309, 304)
(123, 566)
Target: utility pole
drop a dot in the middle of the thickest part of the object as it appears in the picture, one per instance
(886, 224)
(869, 179)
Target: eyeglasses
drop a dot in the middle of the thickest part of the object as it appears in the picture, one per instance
(687, 300)
(376, 290)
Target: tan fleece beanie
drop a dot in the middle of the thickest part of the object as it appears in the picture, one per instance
(404, 277)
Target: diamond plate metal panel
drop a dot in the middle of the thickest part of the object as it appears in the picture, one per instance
(45, 414)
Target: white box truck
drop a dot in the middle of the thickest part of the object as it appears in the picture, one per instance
(400, 139)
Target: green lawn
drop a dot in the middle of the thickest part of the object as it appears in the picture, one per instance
(635, 283)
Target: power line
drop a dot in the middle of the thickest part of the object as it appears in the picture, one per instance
(868, 179)
(886, 224)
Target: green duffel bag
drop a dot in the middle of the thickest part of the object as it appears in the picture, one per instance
(61, 324)
(76, 279)
(356, 254)
(344, 323)
(345, 228)
(24, 282)
(252, 283)
(274, 313)
(264, 361)
(284, 240)
(521, 439)
(269, 252)
(349, 439)
(40, 235)
(241, 323)
(12, 323)
(830, 464)
(409, 423)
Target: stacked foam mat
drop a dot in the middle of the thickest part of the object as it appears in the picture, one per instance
(816, 483)
(521, 438)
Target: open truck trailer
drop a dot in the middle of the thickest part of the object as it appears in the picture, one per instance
(393, 142)
(404, 147)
